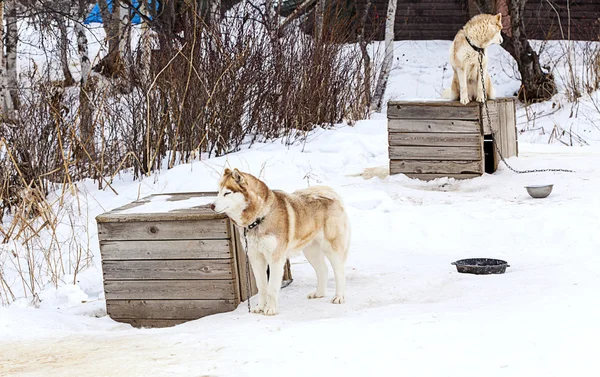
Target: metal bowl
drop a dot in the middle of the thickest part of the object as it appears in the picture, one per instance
(540, 191)
(481, 266)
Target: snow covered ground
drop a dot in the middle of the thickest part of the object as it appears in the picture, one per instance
(408, 310)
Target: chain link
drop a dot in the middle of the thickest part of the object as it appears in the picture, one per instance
(487, 112)
(248, 288)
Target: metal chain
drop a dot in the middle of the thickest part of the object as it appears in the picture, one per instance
(249, 292)
(487, 112)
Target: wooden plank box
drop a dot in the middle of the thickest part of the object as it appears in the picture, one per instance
(435, 139)
(169, 258)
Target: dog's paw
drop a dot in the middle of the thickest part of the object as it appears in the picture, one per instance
(464, 100)
(479, 99)
(315, 295)
(258, 309)
(338, 300)
(270, 310)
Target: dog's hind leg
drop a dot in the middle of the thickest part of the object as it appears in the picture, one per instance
(335, 254)
(489, 88)
(316, 258)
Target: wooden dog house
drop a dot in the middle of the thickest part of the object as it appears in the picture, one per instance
(434, 139)
(169, 258)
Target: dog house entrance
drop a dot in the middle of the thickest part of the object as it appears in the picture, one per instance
(489, 155)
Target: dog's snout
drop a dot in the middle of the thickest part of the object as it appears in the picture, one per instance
(212, 206)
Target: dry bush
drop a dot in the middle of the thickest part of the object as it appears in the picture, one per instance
(220, 87)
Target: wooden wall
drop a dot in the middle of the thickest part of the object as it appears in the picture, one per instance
(441, 19)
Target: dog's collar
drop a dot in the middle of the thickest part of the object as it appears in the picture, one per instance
(478, 49)
(255, 223)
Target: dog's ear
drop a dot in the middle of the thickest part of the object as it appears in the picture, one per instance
(499, 18)
(237, 176)
(227, 171)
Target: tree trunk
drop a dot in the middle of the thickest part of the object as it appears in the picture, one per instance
(12, 38)
(215, 11)
(83, 51)
(86, 108)
(145, 41)
(365, 57)
(110, 65)
(386, 67)
(5, 100)
(63, 43)
(536, 85)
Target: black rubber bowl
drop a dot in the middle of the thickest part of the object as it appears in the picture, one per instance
(481, 266)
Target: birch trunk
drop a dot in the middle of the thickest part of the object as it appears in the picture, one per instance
(86, 109)
(215, 11)
(146, 55)
(63, 43)
(6, 101)
(386, 67)
(319, 16)
(12, 38)
(83, 51)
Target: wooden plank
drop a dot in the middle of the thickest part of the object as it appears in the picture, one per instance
(167, 309)
(493, 110)
(442, 167)
(163, 230)
(433, 139)
(435, 153)
(176, 249)
(138, 210)
(429, 177)
(238, 266)
(151, 323)
(434, 126)
(502, 126)
(433, 110)
(510, 128)
(241, 263)
(170, 290)
(168, 269)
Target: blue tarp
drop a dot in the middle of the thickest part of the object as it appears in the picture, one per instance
(95, 15)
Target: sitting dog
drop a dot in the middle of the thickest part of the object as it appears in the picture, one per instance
(474, 38)
(278, 224)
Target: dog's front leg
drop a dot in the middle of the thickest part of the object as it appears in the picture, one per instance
(464, 90)
(259, 267)
(274, 286)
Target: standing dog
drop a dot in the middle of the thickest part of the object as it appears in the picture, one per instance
(278, 224)
(474, 38)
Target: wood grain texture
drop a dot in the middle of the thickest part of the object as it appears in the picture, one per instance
(164, 230)
(433, 110)
(436, 167)
(240, 263)
(435, 153)
(434, 126)
(433, 139)
(175, 249)
(202, 212)
(167, 309)
(493, 110)
(170, 290)
(168, 269)
(429, 177)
